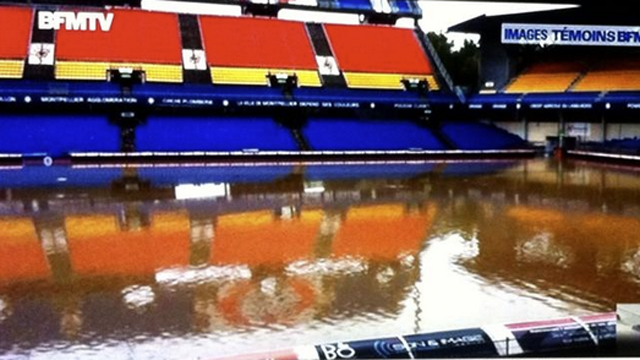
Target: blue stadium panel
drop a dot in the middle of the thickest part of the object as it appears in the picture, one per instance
(348, 134)
(499, 98)
(409, 7)
(354, 5)
(41, 88)
(477, 136)
(57, 134)
(171, 176)
(165, 133)
(58, 177)
(622, 96)
(229, 92)
(360, 172)
(582, 97)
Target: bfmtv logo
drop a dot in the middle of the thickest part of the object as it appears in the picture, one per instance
(82, 21)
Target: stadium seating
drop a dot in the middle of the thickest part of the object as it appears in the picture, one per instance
(161, 133)
(15, 31)
(57, 134)
(357, 134)
(478, 136)
(405, 7)
(354, 5)
(547, 77)
(612, 75)
(139, 40)
(379, 56)
(586, 75)
(257, 47)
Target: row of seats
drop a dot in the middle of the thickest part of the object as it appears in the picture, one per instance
(368, 56)
(578, 76)
(479, 136)
(58, 135)
(627, 146)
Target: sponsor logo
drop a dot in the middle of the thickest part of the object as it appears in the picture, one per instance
(337, 351)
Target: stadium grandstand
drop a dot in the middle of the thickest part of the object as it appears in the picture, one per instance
(565, 78)
(122, 82)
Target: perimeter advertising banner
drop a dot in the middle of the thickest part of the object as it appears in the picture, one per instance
(558, 34)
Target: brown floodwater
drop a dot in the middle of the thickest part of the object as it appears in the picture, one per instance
(194, 262)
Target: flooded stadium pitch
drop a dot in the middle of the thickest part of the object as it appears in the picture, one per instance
(194, 262)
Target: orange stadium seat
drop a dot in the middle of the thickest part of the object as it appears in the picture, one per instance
(246, 50)
(15, 30)
(546, 77)
(98, 247)
(612, 75)
(379, 57)
(21, 256)
(382, 232)
(260, 238)
(138, 39)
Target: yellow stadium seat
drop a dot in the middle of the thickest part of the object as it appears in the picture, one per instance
(76, 70)
(11, 69)
(549, 82)
(610, 81)
(384, 81)
(258, 76)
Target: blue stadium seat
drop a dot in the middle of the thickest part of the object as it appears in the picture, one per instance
(478, 136)
(57, 134)
(166, 133)
(624, 144)
(408, 7)
(354, 5)
(355, 134)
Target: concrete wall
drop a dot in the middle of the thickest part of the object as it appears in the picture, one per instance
(539, 131)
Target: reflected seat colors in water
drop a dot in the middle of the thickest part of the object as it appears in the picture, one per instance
(206, 261)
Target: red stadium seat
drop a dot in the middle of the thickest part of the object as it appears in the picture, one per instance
(15, 30)
(379, 56)
(245, 50)
(140, 40)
